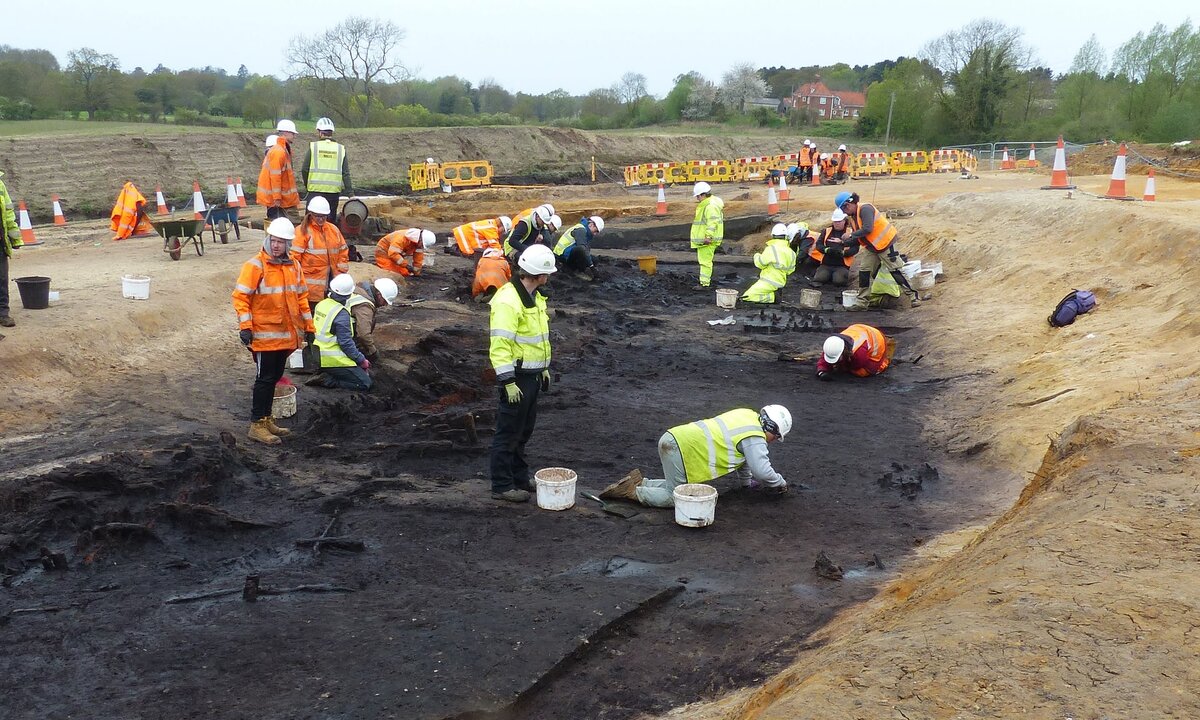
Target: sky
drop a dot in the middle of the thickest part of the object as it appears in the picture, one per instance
(537, 46)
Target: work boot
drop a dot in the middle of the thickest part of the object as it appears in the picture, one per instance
(516, 495)
(260, 432)
(275, 429)
(625, 488)
(317, 380)
(7, 321)
(702, 287)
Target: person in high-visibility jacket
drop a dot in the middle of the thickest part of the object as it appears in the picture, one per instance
(10, 238)
(806, 161)
(529, 229)
(859, 350)
(403, 251)
(519, 351)
(326, 168)
(320, 249)
(776, 262)
(833, 252)
(702, 451)
(491, 273)
(343, 364)
(276, 180)
(574, 246)
(877, 236)
(271, 302)
(708, 230)
(482, 234)
(364, 305)
(841, 165)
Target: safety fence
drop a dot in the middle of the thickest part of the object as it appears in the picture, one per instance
(459, 174)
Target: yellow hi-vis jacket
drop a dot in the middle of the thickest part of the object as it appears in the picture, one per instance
(520, 332)
(326, 341)
(325, 160)
(709, 447)
(709, 223)
(776, 261)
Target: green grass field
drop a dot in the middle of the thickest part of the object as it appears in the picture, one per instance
(12, 128)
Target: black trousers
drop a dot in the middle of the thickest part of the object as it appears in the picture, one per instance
(514, 427)
(270, 364)
(333, 199)
(3, 282)
(578, 259)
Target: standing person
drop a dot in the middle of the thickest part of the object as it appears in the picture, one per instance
(364, 304)
(704, 450)
(276, 180)
(834, 253)
(841, 165)
(10, 236)
(491, 273)
(326, 169)
(859, 350)
(520, 354)
(270, 143)
(708, 230)
(343, 364)
(776, 262)
(271, 302)
(320, 249)
(403, 251)
(575, 246)
(806, 161)
(871, 229)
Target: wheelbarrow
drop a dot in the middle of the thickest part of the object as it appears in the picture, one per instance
(177, 233)
(222, 218)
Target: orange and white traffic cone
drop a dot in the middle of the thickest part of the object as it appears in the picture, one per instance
(27, 236)
(1032, 162)
(59, 218)
(158, 197)
(241, 196)
(783, 189)
(198, 201)
(1006, 162)
(1149, 195)
(816, 172)
(231, 198)
(772, 200)
(1058, 177)
(1116, 185)
(661, 208)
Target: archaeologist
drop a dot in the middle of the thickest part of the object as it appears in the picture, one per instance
(270, 143)
(776, 262)
(708, 230)
(833, 252)
(271, 302)
(326, 168)
(364, 303)
(403, 251)
(10, 236)
(860, 350)
(575, 246)
(520, 354)
(320, 249)
(526, 231)
(704, 450)
(806, 161)
(841, 165)
(491, 273)
(343, 364)
(871, 229)
(481, 234)
(276, 180)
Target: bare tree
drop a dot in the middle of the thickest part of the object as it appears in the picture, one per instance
(343, 64)
(631, 88)
(951, 52)
(96, 74)
(740, 85)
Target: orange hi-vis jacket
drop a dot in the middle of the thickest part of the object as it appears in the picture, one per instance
(395, 249)
(491, 273)
(322, 254)
(805, 157)
(876, 360)
(479, 235)
(277, 180)
(271, 301)
(125, 219)
(882, 232)
(842, 161)
(821, 240)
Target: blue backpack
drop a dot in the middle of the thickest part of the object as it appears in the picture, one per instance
(1077, 302)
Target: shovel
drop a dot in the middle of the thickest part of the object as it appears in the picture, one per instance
(618, 510)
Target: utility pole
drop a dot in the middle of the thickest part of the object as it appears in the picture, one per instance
(888, 135)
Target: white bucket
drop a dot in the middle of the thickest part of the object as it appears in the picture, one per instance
(135, 287)
(429, 260)
(296, 359)
(695, 504)
(935, 267)
(849, 298)
(555, 488)
(911, 268)
(284, 405)
(922, 280)
(726, 298)
(810, 298)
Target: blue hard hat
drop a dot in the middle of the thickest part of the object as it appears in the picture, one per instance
(841, 199)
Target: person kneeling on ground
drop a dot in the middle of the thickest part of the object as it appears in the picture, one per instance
(860, 350)
(834, 252)
(776, 262)
(403, 251)
(343, 365)
(491, 273)
(575, 246)
(705, 450)
(363, 304)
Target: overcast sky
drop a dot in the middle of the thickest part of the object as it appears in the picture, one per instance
(537, 45)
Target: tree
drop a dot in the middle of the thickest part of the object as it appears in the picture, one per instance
(1086, 69)
(95, 75)
(348, 61)
(740, 85)
(701, 99)
(915, 85)
(676, 101)
(979, 63)
(631, 88)
(262, 100)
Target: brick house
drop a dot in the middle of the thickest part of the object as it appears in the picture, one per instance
(825, 103)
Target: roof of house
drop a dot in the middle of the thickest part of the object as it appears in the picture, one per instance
(854, 99)
(817, 88)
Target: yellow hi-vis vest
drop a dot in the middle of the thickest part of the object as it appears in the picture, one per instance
(325, 158)
(709, 447)
(709, 222)
(326, 341)
(530, 232)
(520, 336)
(567, 239)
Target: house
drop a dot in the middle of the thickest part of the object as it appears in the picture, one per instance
(771, 103)
(825, 103)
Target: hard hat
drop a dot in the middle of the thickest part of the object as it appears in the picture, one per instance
(833, 348)
(493, 252)
(286, 126)
(780, 230)
(428, 239)
(429, 160)
(824, 156)
(325, 124)
(598, 222)
(807, 141)
(549, 207)
(841, 147)
(841, 199)
(282, 228)
(537, 260)
(555, 222)
(793, 229)
(506, 221)
(542, 214)
(700, 188)
(318, 205)
(779, 417)
(271, 140)
(387, 288)
(342, 284)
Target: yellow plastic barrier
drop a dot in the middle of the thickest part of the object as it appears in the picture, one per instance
(910, 161)
(970, 163)
(424, 176)
(787, 160)
(871, 164)
(710, 171)
(649, 173)
(752, 168)
(467, 173)
(631, 175)
(945, 161)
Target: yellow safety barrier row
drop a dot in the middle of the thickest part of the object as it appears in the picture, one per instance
(910, 161)
(871, 164)
(753, 168)
(460, 174)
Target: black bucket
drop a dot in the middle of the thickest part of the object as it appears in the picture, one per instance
(35, 292)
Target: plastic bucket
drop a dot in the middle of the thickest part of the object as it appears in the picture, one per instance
(695, 504)
(135, 287)
(648, 264)
(849, 298)
(555, 488)
(296, 359)
(35, 292)
(429, 260)
(935, 267)
(353, 214)
(810, 298)
(923, 280)
(911, 268)
(284, 405)
(726, 298)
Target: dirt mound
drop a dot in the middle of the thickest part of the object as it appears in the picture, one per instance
(1099, 159)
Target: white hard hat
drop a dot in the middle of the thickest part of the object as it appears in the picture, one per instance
(807, 141)
(780, 416)
(325, 124)
(841, 147)
(838, 215)
(824, 156)
(549, 207)
(555, 222)
(700, 188)
(387, 288)
(318, 205)
(285, 126)
(429, 160)
(537, 260)
(598, 222)
(493, 252)
(342, 284)
(793, 229)
(780, 230)
(833, 348)
(271, 140)
(428, 239)
(506, 221)
(282, 228)
(542, 214)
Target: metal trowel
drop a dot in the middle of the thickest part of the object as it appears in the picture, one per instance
(620, 511)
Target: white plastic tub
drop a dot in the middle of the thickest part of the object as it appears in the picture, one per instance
(695, 504)
(296, 359)
(135, 287)
(555, 488)
(849, 298)
(923, 280)
(911, 268)
(726, 298)
(935, 267)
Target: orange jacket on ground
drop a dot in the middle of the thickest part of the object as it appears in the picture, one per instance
(125, 219)
(276, 180)
(401, 252)
(479, 235)
(271, 301)
(322, 254)
(491, 273)
(868, 352)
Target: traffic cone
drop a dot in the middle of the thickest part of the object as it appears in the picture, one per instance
(59, 218)
(241, 196)
(231, 198)
(1116, 186)
(27, 236)
(1149, 195)
(772, 200)
(816, 172)
(1032, 163)
(198, 201)
(162, 203)
(1058, 177)
(661, 209)
(783, 190)
(1007, 163)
